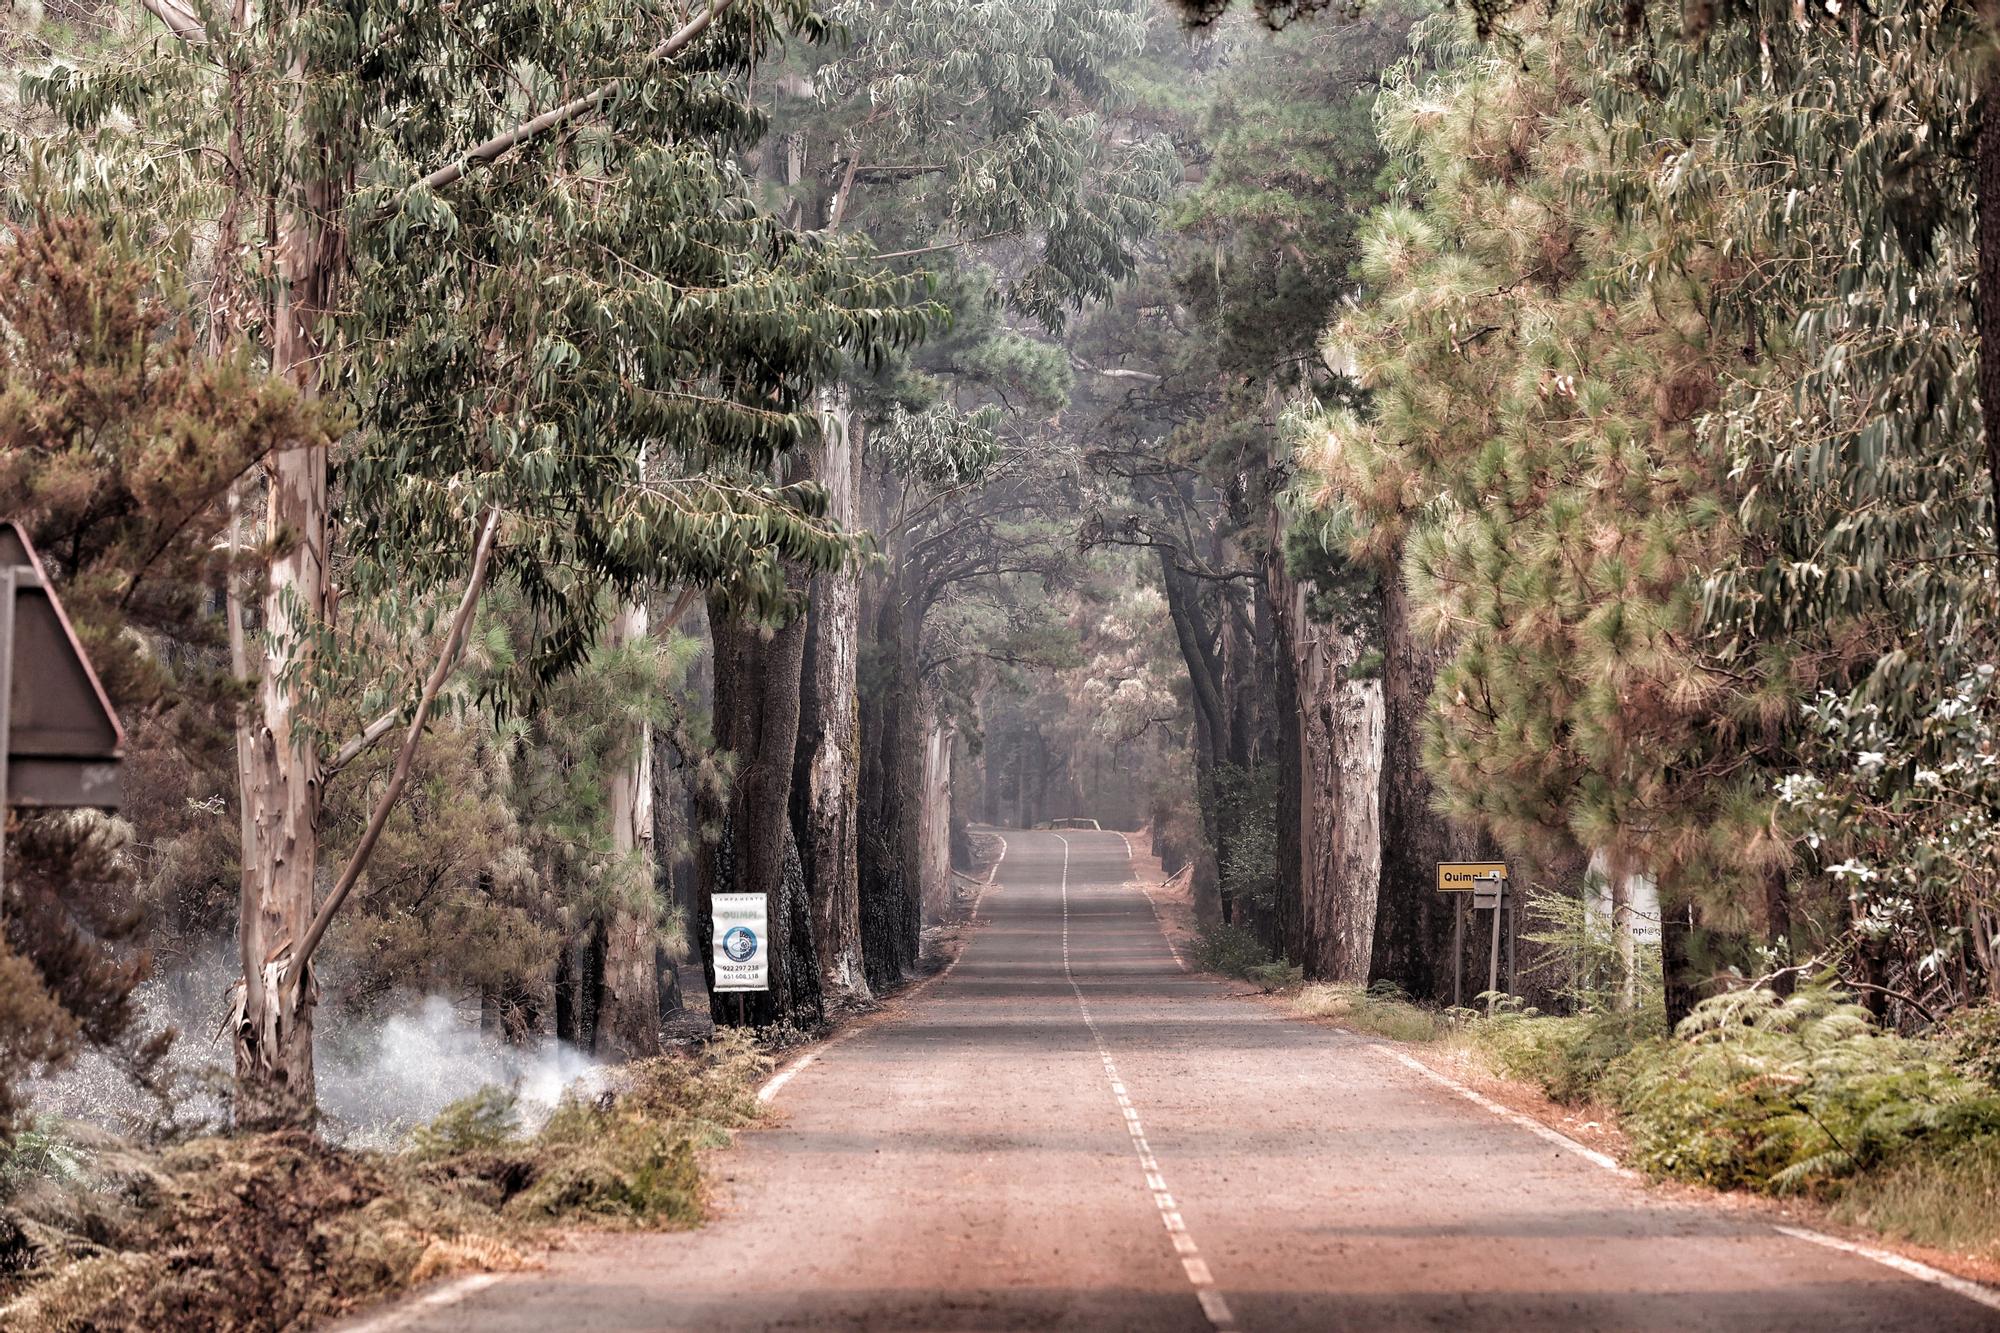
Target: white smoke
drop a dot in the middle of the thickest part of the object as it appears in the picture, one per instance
(378, 1078)
(378, 1082)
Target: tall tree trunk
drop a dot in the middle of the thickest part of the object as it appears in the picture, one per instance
(934, 814)
(281, 802)
(1676, 961)
(1335, 743)
(753, 850)
(1987, 305)
(1413, 921)
(826, 784)
(628, 1022)
(891, 770)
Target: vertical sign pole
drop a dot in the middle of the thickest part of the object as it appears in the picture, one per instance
(1513, 933)
(1493, 962)
(1458, 952)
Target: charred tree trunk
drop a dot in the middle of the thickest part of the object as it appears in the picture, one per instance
(1413, 921)
(1777, 928)
(579, 984)
(757, 687)
(891, 810)
(1676, 961)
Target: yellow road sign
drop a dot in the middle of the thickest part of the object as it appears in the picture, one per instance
(1464, 876)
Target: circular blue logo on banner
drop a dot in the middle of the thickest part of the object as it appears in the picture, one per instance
(739, 942)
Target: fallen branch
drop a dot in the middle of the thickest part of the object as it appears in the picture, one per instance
(447, 662)
(359, 746)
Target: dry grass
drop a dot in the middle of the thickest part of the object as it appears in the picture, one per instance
(1949, 1202)
(1379, 1014)
(282, 1231)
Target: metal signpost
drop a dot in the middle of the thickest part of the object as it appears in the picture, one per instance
(739, 927)
(60, 742)
(1486, 881)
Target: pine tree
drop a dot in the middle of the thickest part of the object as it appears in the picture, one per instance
(1528, 457)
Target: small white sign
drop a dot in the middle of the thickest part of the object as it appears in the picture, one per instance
(742, 942)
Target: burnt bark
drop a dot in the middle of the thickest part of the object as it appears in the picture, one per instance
(891, 832)
(753, 850)
(1413, 921)
(1682, 990)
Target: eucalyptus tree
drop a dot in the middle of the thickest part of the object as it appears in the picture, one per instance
(1206, 354)
(1017, 188)
(513, 245)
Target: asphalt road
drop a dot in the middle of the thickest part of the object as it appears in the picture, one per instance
(1068, 1131)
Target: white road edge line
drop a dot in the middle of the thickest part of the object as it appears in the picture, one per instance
(1972, 1291)
(1213, 1305)
(784, 1076)
(1132, 876)
(1528, 1123)
(777, 1081)
(451, 1293)
(1975, 1292)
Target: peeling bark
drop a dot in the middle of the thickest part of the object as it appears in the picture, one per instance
(826, 781)
(628, 1026)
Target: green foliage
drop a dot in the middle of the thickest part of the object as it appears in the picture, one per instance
(1238, 952)
(118, 441)
(1566, 1057)
(486, 1119)
(631, 1159)
(1825, 150)
(1525, 453)
(1027, 159)
(1246, 803)
(1580, 957)
(39, 1150)
(1972, 1036)
(1792, 1094)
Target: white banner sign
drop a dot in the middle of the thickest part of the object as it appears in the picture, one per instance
(742, 942)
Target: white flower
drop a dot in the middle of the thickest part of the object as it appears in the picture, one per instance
(1853, 870)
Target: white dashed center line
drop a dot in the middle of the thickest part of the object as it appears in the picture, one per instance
(1212, 1303)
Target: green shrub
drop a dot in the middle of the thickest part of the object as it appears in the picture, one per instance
(487, 1119)
(1234, 951)
(1564, 1056)
(38, 1152)
(1972, 1036)
(1276, 975)
(1792, 1094)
